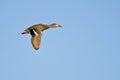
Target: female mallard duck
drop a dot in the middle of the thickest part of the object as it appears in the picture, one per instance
(36, 33)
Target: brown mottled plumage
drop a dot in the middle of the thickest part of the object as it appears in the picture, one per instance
(36, 33)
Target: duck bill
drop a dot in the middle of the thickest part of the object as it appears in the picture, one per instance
(60, 26)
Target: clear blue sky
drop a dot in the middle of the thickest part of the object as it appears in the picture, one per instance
(87, 47)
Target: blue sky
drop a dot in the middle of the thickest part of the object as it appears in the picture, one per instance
(87, 47)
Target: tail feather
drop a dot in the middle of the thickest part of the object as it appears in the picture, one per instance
(25, 32)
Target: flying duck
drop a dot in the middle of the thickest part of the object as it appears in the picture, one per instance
(36, 32)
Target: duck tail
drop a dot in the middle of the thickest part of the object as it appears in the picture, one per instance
(25, 32)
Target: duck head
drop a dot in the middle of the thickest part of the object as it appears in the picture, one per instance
(54, 25)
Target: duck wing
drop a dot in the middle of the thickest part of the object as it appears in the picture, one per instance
(36, 39)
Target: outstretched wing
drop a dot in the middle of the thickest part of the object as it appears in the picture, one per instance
(36, 40)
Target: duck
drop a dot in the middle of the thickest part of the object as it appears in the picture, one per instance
(36, 33)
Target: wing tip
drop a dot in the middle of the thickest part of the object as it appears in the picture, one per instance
(36, 48)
